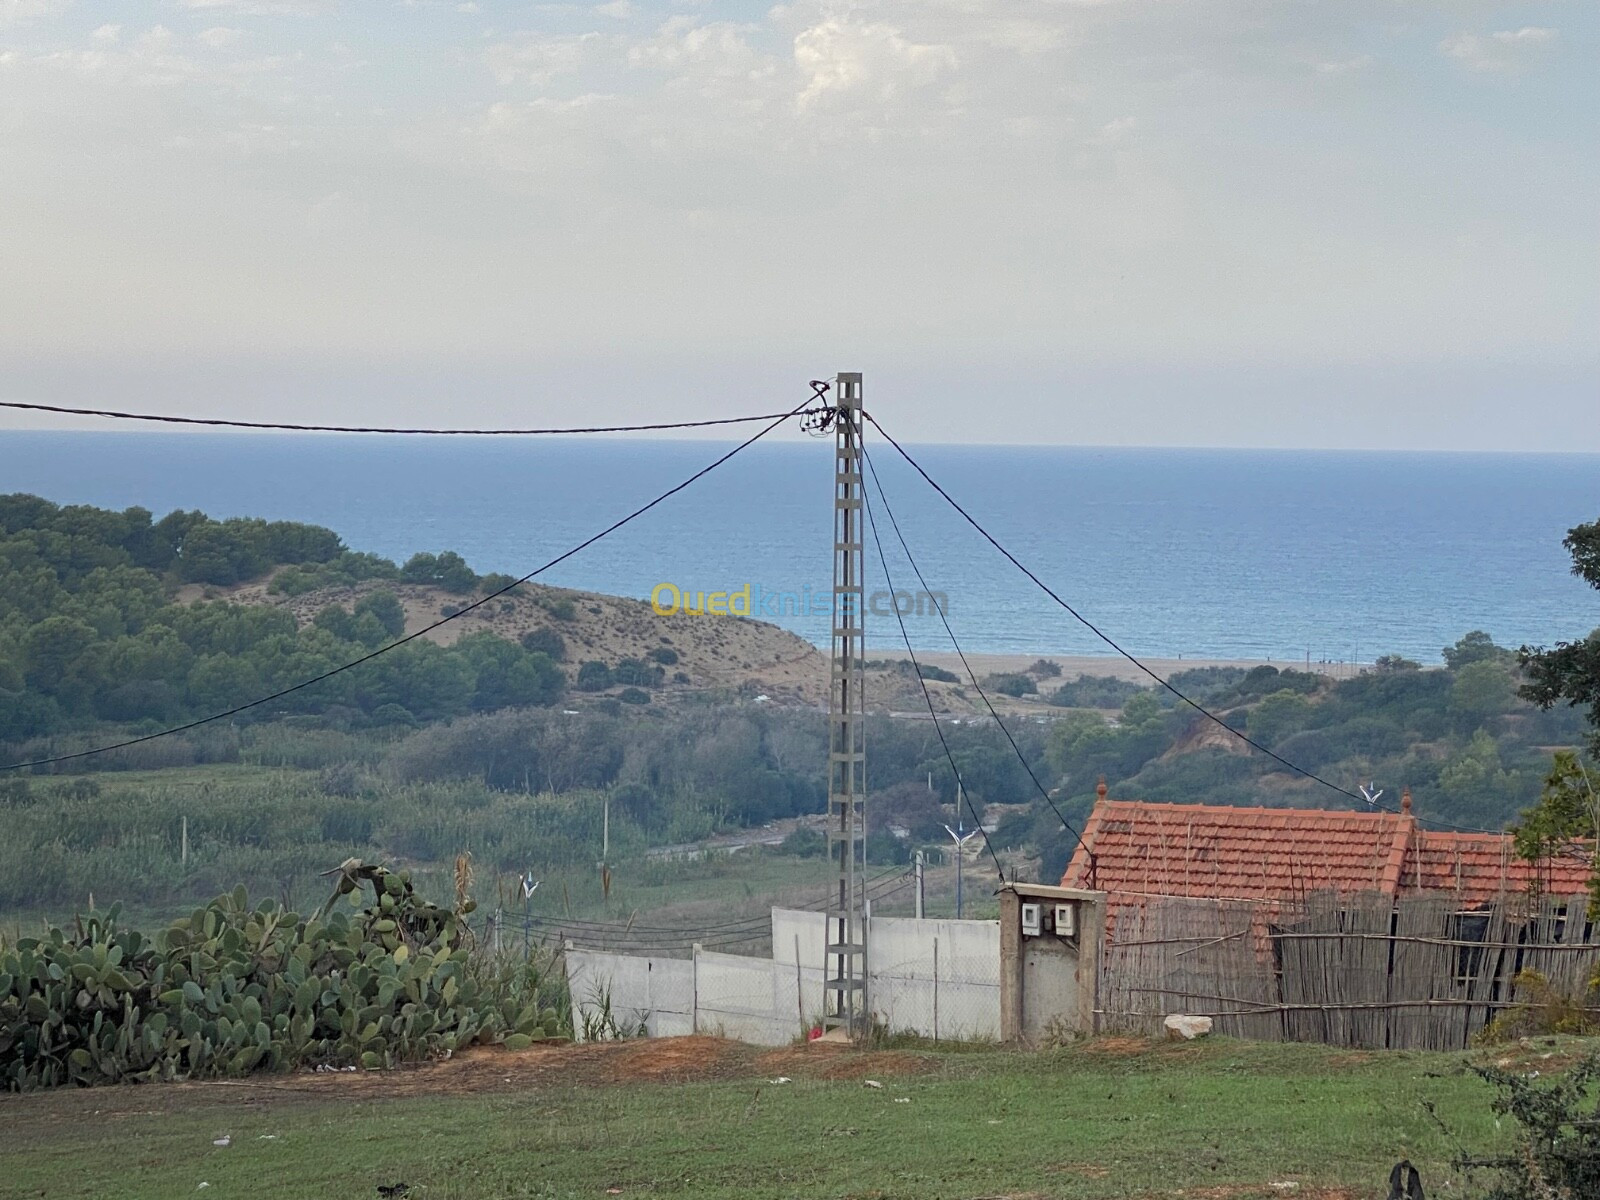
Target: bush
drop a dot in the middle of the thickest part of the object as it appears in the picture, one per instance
(804, 843)
(665, 656)
(1011, 685)
(561, 608)
(1095, 691)
(1557, 1156)
(633, 695)
(233, 989)
(594, 676)
(545, 641)
(939, 674)
(638, 673)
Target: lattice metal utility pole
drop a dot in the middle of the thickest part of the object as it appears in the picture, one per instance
(845, 1003)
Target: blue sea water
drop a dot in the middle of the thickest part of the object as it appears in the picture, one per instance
(1203, 553)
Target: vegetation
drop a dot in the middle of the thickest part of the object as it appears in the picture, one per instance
(233, 989)
(90, 632)
(1101, 1121)
(1557, 1150)
(1571, 671)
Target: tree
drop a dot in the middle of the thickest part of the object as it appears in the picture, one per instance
(387, 609)
(1483, 689)
(447, 570)
(1571, 670)
(1279, 714)
(1474, 647)
(594, 676)
(1393, 664)
(545, 641)
(1568, 813)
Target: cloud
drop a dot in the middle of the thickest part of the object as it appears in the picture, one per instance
(220, 37)
(538, 58)
(1348, 66)
(16, 12)
(1506, 50)
(107, 34)
(694, 52)
(839, 58)
(262, 8)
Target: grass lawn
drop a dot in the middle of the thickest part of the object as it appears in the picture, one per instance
(1213, 1120)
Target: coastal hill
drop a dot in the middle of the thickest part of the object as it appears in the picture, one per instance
(695, 654)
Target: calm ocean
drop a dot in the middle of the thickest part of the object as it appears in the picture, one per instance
(1207, 553)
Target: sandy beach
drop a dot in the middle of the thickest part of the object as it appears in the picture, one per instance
(1073, 665)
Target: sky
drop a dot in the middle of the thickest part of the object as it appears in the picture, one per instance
(1277, 223)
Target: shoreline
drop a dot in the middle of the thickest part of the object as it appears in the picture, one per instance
(1073, 665)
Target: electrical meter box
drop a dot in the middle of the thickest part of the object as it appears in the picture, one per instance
(1032, 920)
(1066, 920)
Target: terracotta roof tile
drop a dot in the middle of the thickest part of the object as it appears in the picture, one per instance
(1134, 849)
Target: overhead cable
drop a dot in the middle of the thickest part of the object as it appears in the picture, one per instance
(426, 629)
(292, 427)
(1109, 641)
(927, 698)
(966, 666)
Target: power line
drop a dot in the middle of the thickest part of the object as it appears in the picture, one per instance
(1109, 641)
(621, 934)
(927, 698)
(365, 658)
(231, 423)
(971, 674)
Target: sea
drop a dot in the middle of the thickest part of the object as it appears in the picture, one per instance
(1280, 555)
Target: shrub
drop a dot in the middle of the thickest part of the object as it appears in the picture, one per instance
(545, 641)
(638, 673)
(594, 676)
(1557, 1156)
(1011, 685)
(804, 843)
(561, 609)
(666, 657)
(633, 695)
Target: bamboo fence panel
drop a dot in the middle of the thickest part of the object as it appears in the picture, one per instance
(1352, 969)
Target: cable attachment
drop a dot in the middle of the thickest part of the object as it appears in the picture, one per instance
(818, 422)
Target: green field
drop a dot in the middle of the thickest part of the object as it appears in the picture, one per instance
(696, 1117)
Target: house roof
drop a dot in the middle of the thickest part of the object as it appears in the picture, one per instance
(1133, 849)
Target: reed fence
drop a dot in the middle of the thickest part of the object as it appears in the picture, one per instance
(1361, 970)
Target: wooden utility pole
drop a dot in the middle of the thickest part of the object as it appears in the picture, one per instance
(845, 987)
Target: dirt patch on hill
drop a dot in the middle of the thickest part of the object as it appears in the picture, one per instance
(1118, 1046)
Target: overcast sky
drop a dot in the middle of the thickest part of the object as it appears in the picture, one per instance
(1358, 223)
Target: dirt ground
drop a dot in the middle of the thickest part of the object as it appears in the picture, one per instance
(489, 1069)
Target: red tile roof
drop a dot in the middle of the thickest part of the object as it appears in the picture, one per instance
(1132, 850)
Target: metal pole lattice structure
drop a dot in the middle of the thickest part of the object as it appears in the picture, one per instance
(845, 986)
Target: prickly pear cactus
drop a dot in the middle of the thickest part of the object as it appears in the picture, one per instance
(232, 989)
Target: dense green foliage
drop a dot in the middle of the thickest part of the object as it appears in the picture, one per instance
(1570, 672)
(90, 633)
(233, 989)
(525, 788)
(1557, 1155)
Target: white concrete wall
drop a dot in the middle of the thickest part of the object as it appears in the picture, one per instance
(939, 979)
(659, 991)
